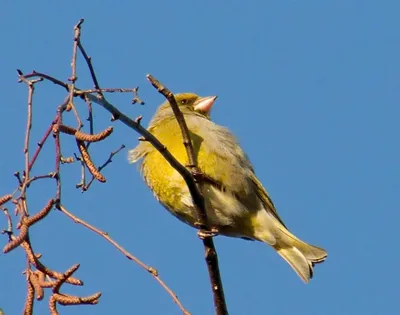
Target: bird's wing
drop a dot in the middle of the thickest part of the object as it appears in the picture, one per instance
(139, 152)
(265, 199)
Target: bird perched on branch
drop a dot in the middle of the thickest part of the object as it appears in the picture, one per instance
(237, 204)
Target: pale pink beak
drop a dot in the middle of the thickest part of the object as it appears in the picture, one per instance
(204, 104)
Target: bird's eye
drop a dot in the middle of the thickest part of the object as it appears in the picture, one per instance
(184, 102)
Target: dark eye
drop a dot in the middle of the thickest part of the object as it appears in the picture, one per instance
(184, 102)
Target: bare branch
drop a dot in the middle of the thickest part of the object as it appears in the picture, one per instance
(128, 255)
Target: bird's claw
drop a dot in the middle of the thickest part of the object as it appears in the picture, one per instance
(205, 233)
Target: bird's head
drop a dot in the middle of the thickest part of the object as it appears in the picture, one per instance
(190, 102)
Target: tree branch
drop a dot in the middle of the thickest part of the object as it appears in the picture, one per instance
(195, 191)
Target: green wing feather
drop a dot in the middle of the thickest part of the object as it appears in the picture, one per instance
(265, 199)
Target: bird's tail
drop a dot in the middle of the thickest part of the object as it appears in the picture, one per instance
(300, 255)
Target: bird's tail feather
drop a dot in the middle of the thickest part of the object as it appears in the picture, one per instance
(300, 255)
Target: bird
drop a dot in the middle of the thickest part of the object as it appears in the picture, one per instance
(236, 203)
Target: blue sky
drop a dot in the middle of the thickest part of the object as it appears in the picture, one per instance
(311, 90)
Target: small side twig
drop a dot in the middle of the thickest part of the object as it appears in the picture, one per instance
(9, 230)
(31, 90)
(88, 60)
(40, 145)
(73, 77)
(108, 161)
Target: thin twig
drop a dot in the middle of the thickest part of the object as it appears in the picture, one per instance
(90, 116)
(9, 230)
(40, 144)
(58, 151)
(106, 90)
(73, 78)
(44, 176)
(128, 255)
(31, 90)
(108, 161)
(136, 98)
(88, 60)
(47, 77)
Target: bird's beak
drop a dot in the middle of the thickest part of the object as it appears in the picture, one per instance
(204, 104)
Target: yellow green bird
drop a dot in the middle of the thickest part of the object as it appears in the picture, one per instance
(237, 204)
